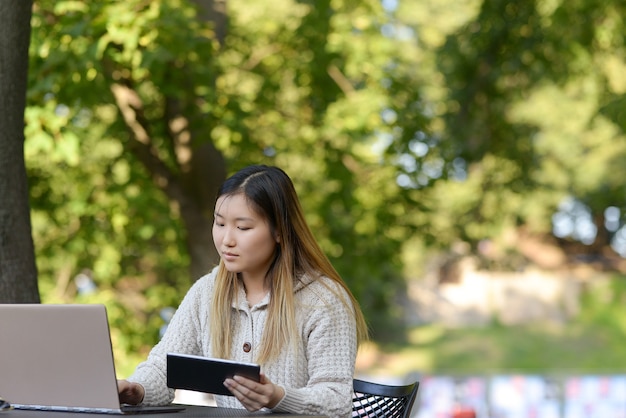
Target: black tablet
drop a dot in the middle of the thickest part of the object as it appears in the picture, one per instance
(204, 374)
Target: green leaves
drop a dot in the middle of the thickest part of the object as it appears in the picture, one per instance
(436, 122)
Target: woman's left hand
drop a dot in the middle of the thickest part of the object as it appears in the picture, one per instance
(255, 395)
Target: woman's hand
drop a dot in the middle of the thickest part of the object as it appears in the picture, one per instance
(130, 393)
(255, 395)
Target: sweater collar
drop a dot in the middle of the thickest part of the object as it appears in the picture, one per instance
(242, 303)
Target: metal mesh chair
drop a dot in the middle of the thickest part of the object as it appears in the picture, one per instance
(382, 401)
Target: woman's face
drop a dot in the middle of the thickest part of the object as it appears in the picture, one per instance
(242, 237)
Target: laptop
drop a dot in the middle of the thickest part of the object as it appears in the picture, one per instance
(60, 358)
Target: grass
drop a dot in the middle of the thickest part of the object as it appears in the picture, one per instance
(592, 343)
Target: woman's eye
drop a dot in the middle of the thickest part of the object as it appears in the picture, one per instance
(244, 228)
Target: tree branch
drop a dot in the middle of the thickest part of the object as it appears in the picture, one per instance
(341, 80)
(131, 107)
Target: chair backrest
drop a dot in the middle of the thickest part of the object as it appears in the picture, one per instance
(382, 401)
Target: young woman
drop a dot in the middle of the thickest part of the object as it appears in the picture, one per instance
(275, 299)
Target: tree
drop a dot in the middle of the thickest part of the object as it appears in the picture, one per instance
(517, 96)
(127, 95)
(417, 125)
(18, 271)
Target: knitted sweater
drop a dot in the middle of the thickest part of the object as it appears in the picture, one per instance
(316, 377)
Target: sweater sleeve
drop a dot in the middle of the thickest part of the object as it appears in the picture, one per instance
(183, 335)
(330, 345)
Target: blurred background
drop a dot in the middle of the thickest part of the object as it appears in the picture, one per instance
(461, 162)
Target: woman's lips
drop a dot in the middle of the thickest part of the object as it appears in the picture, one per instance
(229, 256)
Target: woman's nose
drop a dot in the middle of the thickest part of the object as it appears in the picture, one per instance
(228, 239)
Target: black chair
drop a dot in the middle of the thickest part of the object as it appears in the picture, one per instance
(382, 401)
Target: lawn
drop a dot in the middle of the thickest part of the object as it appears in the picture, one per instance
(593, 342)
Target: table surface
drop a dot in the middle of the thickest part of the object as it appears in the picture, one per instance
(191, 411)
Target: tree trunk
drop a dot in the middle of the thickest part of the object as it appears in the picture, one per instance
(207, 169)
(200, 167)
(192, 187)
(207, 174)
(18, 272)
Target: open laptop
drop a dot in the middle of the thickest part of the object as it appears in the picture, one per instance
(60, 357)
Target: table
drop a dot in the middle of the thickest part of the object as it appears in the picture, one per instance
(191, 411)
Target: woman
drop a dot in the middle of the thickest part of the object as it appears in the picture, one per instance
(274, 299)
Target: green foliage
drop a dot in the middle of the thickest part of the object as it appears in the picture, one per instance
(405, 130)
(603, 301)
(519, 121)
(281, 90)
(94, 208)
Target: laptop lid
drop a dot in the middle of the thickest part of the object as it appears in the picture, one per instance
(57, 356)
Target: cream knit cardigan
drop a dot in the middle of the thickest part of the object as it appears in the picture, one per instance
(317, 377)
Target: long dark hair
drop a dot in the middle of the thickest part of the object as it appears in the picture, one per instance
(271, 194)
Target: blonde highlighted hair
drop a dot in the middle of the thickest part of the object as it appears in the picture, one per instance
(270, 193)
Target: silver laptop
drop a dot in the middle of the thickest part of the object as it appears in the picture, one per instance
(59, 357)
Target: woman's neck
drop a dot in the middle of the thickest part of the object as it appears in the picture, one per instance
(255, 287)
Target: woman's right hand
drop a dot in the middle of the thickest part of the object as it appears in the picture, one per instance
(129, 392)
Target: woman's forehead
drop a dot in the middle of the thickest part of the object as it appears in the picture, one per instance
(237, 203)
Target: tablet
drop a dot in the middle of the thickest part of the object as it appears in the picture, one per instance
(204, 374)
